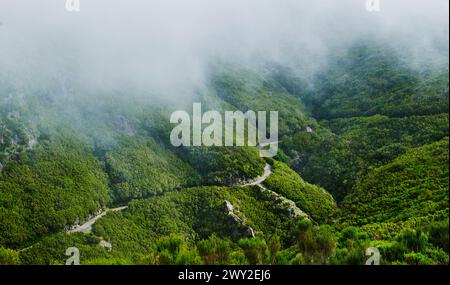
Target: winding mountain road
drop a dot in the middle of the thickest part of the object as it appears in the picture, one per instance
(87, 226)
(259, 180)
(292, 208)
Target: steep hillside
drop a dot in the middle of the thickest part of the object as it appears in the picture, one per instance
(372, 79)
(413, 185)
(361, 143)
(55, 185)
(363, 162)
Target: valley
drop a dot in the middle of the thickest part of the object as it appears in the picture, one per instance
(256, 133)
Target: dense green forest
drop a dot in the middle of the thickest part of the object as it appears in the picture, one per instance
(363, 162)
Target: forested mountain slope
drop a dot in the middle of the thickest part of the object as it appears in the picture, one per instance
(415, 184)
(363, 162)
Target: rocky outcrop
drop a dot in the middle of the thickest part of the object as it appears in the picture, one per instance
(247, 230)
(105, 244)
(283, 203)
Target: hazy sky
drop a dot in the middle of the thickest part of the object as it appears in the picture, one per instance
(164, 45)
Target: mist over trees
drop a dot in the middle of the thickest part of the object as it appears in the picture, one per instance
(85, 104)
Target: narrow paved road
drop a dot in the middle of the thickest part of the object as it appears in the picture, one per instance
(293, 210)
(87, 227)
(260, 179)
